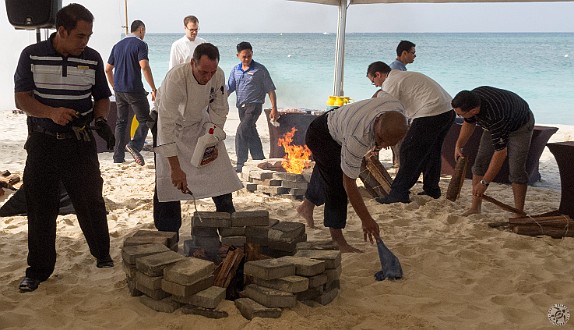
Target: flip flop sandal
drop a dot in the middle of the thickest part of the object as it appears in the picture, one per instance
(136, 155)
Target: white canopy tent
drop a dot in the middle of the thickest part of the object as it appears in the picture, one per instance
(341, 24)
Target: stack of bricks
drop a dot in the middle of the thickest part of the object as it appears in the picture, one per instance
(275, 182)
(311, 276)
(166, 280)
(278, 238)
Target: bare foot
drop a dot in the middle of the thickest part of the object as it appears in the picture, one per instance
(470, 211)
(305, 210)
(349, 249)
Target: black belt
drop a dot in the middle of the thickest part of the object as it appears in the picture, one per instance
(57, 135)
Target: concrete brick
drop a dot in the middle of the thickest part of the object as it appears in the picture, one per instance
(261, 175)
(132, 288)
(310, 294)
(139, 240)
(293, 283)
(286, 231)
(269, 269)
(208, 243)
(130, 270)
(289, 177)
(206, 312)
(154, 264)
(251, 187)
(232, 231)
(148, 282)
(318, 245)
(306, 266)
(165, 305)
(132, 252)
(267, 182)
(250, 309)
(334, 274)
(270, 297)
(186, 291)
(211, 219)
(332, 258)
(188, 271)
(237, 241)
(154, 294)
(317, 280)
(336, 284)
(208, 298)
(294, 184)
(263, 241)
(204, 232)
(297, 191)
(256, 231)
(288, 246)
(250, 218)
(171, 236)
(272, 191)
(327, 297)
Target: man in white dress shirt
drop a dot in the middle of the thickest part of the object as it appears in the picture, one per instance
(182, 49)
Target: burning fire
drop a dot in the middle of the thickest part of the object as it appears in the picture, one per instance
(296, 157)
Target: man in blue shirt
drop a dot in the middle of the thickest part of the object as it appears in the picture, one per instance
(406, 54)
(128, 59)
(61, 85)
(251, 81)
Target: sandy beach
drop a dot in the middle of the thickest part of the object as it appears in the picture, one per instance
(459, 273)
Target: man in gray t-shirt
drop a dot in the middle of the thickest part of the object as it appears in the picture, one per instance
(406, 54)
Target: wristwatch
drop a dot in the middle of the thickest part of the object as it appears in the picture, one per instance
(484, 183)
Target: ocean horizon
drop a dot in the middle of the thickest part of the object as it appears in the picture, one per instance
(537, 66)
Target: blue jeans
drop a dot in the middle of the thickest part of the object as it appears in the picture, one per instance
(247, 138)
(140, 106)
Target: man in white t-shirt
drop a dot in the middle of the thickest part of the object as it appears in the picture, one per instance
(182, 49)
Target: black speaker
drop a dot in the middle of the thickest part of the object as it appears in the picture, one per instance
(33, 14)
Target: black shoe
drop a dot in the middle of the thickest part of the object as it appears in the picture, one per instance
(28, 284)
(390, 200)
(105, 263)
(435, 195)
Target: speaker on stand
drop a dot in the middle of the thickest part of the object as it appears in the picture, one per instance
(33, 14)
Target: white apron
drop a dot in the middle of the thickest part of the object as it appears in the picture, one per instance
(182, 115)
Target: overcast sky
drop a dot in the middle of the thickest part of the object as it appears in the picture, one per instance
(259, 16)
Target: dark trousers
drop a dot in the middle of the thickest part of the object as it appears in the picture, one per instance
(327, 156)
(421, 153)
(140, 106)
(75, 164)
(167, 215)
(247, 138)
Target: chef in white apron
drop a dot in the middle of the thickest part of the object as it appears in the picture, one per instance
(191, 98)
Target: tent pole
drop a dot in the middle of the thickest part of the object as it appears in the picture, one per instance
(340, 49)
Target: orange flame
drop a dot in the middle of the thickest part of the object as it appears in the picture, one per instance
(296, 157)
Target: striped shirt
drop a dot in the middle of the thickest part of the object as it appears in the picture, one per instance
(352, 126)
(501, 113)
(72, 82)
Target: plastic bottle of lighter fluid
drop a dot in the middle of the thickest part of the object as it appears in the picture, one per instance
(205, 149)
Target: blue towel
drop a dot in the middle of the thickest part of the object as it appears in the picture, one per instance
(391, 267)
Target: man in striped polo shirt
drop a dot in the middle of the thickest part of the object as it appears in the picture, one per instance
(61, 85)
(339, 140)
(508, 124)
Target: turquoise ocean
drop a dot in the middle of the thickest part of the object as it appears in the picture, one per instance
(537, 66)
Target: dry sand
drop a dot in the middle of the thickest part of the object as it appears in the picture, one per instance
(458, 272)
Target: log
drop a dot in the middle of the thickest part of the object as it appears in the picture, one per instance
(375, 177)
(550, 221)
(457, 179)
(228, 268)
(503, 206)
(534, 230)
(253, 252)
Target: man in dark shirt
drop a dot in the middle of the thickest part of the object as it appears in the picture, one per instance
(61, 85)
(508, 124)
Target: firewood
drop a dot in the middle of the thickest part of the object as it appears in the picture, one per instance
(503, 206)
(375, 177)
(534, 230)
(253, 252)
(229, 268)
(457, 179)
(550, 221)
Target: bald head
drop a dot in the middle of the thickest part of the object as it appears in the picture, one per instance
(390, 128)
